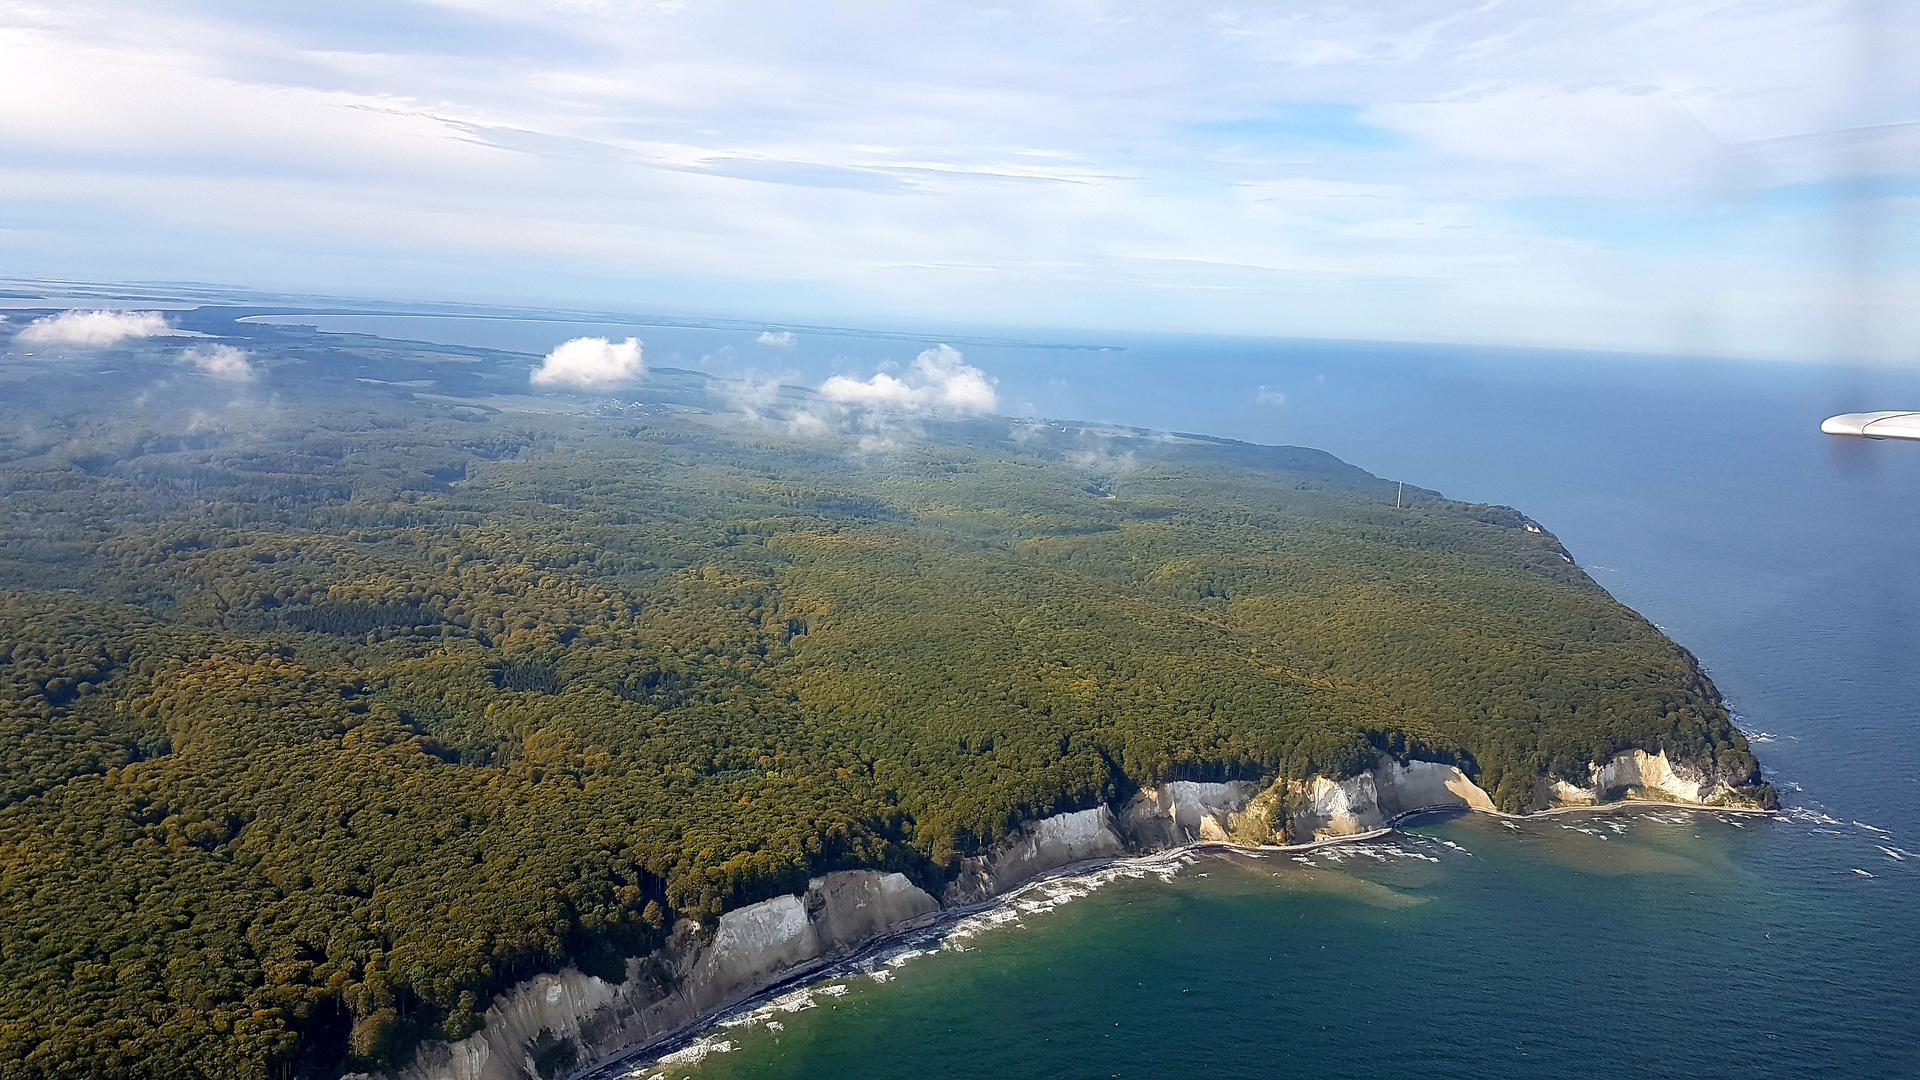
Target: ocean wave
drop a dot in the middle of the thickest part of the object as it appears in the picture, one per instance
(1377, 851)
(1755, 735)
(1807, 815)
(692, 1054)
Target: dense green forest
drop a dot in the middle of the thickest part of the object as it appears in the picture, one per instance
(335, 701)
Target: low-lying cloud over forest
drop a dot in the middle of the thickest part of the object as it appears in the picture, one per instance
(93, 329)
(590, 363)
(938, 384)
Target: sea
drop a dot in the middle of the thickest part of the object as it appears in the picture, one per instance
(1640, 942)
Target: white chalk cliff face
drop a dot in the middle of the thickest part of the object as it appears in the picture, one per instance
(1034, 849)
(553, 1025)
(1173, 814)
(1183, 812)
(1365, 803)
(1638, 774)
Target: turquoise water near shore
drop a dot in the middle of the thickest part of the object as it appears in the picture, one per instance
(1643, 943)
(1650, 943)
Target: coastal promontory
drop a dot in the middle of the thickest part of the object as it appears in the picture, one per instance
(340, 722)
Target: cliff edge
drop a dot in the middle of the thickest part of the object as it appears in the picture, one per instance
(556, 1025)
(570, 1023)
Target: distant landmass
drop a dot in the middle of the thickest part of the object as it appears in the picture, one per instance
(354, 695)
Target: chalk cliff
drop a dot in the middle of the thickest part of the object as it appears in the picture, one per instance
(555, 1025)
(1182, 812)
(1638, 774)
(552, 1025)
(1173, 814)
(1298, 811)
(1034, 849)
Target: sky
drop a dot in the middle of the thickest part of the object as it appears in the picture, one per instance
(1738, 179)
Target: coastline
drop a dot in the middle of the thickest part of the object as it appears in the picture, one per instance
(930, 930)
(1584, 808)
(597, 1027)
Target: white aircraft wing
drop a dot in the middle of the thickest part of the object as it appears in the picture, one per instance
(1875, 425)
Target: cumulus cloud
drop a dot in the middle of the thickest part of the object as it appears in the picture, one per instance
(753, 395)
(780, 340)
(591, 363)
(884, 409)
(223, 362)
(1266, 396)
(94, 328)
(939, 383)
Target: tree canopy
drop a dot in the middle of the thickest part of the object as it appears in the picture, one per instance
(326, 718)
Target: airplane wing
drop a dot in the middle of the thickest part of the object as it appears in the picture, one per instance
(1875, 425)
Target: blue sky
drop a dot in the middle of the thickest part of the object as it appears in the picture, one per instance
(1725, 178)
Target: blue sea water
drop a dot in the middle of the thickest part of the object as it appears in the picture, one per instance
(1639, 943)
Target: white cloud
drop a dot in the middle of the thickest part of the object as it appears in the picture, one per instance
(591, 363)
(882, 391)
(94, 328)
(885, 409)
(752, 394)
(1265, 396)
(938, 384)
(781, 340)
(1103, 461)
(809, 424)
(223, 362)
(1592, 131)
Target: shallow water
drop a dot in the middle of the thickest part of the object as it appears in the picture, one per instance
(1637, 944)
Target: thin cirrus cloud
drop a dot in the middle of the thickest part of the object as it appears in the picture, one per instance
(93, 329)
(1448, 171)
(590, 363)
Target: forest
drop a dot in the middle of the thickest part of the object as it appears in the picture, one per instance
(336, 701)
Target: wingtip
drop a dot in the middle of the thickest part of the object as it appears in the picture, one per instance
(1874, 425)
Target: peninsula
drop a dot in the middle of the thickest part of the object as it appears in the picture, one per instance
(362, 711)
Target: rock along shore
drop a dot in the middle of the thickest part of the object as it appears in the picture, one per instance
(571, 1024)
